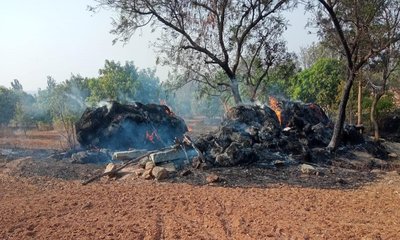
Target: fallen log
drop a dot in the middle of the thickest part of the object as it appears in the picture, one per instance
(113, 172)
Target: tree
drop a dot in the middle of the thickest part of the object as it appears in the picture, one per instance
(356, 26)
(16, 85)
(8, 102)
(308, 56)
(258, 67)
(25, 113)
(66, 108)
(148, 87)
(198, 33)
(381, 73)
(116, 82)
(319, 83)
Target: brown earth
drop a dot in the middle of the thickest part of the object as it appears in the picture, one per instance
(41, 208)
(42, 198)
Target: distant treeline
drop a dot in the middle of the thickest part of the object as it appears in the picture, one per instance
(63, 103)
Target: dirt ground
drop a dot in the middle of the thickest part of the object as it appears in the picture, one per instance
(42, 198)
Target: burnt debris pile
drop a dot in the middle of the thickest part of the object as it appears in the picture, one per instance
(284, 133)
(389, 126)
(118, 126)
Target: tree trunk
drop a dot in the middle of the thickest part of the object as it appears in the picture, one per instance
(235, 91)
(337, 130)
(373, 116)
(359, 103)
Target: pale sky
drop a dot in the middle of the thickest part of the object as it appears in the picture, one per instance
(57, 37)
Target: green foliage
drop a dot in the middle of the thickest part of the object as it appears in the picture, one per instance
(320, 83)
(8, 103)
(279, 80)
(25, 113)
(115, 82)
(385, 104)
(148, 87)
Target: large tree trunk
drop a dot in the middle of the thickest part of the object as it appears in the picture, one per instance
(373, 116)
(235, 91)
(337, 130)
(359, 103)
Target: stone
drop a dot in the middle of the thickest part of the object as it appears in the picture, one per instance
(138, 171)
(149, 165)
(147, 174)
(172, 155)
(160, 173)
(110, 167)
(212, 178)
(393, 155)
(308, 169)
(127, 155)
(170, 167)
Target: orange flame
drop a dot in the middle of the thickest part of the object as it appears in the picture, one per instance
(274, 104)
(151, 136)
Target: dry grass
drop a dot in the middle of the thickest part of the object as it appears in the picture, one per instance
(33, 139)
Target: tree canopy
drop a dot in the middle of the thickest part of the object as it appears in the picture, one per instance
(359, 30)
(199, 35)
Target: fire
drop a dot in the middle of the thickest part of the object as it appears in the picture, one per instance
(152, 136)
(190, 129)
(274, 104)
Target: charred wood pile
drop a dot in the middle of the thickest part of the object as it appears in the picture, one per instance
(283, 133)
(279, 134)
(389, 126)
(129, 126)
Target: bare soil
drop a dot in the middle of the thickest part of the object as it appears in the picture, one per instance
(42, 198)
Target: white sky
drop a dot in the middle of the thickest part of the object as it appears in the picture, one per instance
(54, 37)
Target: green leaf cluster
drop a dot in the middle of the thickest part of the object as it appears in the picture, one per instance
(320, 83)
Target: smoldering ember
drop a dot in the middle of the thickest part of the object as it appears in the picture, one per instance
(152, 136)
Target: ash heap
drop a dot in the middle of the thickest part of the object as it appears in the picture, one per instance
(283, 133)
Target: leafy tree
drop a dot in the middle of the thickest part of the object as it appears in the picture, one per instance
(148, 87)
(43, 101)
(65, 108)
(8, 103)
(203, 34)
(382, 69)
(116, 82)
(78, 88)
(258, 70)
(25, 113)
(319, 83)
(308, 56)
(16, 85)
(279, 79)
(356, 26)
(63, 103)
